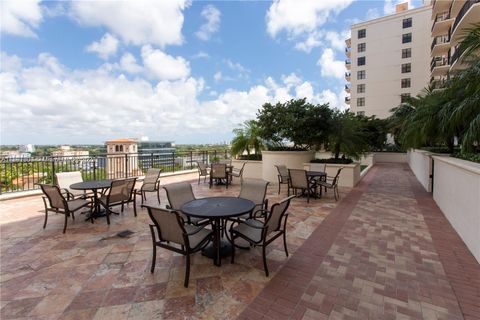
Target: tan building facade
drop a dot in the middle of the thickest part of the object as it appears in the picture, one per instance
(387, 59)
(450, 19)
(122, 158)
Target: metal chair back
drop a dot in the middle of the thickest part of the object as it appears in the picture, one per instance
(179, 194)
(298, 178)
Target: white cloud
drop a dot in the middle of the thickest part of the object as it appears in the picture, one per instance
(372, 13)
(20, 18)
(201, 55)
(312, 40)
(301, 16)
(99, 104)
(212, 15)
(337, 39)
(162, 66)
(217, 76)
(330, 67)
(389, 5)
(135, 22)
(106, 47)
(129, 63)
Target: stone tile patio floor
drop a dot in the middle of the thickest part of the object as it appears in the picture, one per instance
(384, 251)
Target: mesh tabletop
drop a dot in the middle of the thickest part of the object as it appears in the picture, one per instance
(217, 207)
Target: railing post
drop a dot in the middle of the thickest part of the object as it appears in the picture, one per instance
(95, 168)
(173, 161)
(53, 170)
(151, 160)
(126, 165)
(191, 159)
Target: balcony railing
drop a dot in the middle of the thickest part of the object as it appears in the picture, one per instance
(438, 63)
(347, 62)
(347, 99)
(454, 57)
(22, 174)
(466, 6)
(348, 74)
(439, 40)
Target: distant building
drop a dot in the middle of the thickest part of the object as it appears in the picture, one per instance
(14, 155)
(122, 158)
(156, 146)
(68, 152)
(388, 60)
(26, 148)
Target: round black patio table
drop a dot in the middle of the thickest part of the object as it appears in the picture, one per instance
(216, 209)
(93, 185)
(313, 176)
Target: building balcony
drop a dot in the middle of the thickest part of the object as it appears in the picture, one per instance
(439, 6)
(348, 52)
(347, 100)
(348, 76)
(440, 45)
(439, 66)
(348, 42)
(347, 88)
(456, 60)
(348, 64)
(442, 24)
(467, 17)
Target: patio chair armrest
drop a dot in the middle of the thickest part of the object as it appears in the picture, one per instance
(263, 212)
(68, 193)
(195, 231)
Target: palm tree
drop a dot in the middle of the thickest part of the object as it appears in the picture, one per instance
(347, 135)
(247, 139)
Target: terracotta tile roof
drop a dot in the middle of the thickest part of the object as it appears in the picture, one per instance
(121, 140)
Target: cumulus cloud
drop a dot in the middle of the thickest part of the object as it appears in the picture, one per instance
(135, 22)
(162, 66)
(212, 16)
(330, 67)
(372, 13)
(99, 104)
(20, 18)
(301, 16)
(106, 47)
(337, 39)
(333, 39)
(128, 62)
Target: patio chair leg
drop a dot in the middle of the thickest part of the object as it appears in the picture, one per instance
(107, 211)
(233, 249)
(285, 242)
(134, 206)
(65, 225)
(154, 258)
(265, 260)
(187, 271)
(46, 218)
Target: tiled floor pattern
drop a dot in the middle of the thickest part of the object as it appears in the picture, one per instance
(386, 252)
(89, 273)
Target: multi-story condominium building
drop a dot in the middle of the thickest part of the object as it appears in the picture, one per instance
(450, 20)
(388, 59)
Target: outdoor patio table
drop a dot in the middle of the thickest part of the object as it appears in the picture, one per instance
(313, 176)
(217, 209)
(93, 185)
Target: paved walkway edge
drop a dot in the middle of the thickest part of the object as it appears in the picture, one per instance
(281, 299)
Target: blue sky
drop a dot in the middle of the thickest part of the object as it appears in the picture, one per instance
(86, 72)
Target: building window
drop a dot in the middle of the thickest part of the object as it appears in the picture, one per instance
(121, 148)
(117, 148)
(406, 53)
(407, 23)
(361, 74)
(406, 37)
(361, 88)
(361, 61)
(361, 47)
(406, 83)
(360, 113)
(360, 102)
(362, 33)
(404, 97)
(406, 67)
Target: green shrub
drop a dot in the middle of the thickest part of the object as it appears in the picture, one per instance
(333, 160)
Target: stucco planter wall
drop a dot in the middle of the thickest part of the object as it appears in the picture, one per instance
(349, 177)
(456, 190)
(395, 157)
(420, 163)
(292, 159)
(252, 170)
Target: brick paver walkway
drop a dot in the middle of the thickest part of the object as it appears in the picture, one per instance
(386, 252)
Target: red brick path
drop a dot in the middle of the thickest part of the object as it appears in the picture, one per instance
(386, 252)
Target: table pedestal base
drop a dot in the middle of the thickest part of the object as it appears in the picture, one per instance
(225, 250)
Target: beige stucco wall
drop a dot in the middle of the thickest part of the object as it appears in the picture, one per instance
(456, 190)
(395, 157)
(292, 159)
(252, 170)
(349, 176)
(384, 59)
(420, 163)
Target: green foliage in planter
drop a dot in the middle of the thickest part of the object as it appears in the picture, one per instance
(333, 160)
(286, 148)
(474, 157)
